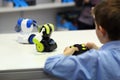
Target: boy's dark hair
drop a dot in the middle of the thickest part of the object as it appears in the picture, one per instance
(107, 15)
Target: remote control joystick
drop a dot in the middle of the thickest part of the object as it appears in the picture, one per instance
(81, 47)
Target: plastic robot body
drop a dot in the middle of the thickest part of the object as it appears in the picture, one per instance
(25, 27)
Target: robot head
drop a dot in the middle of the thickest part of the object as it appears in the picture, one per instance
(25, 25)
(46, 30)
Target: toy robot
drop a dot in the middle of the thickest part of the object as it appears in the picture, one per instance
(46, 44)
(25, 27)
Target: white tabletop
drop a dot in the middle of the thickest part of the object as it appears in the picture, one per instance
(14, 55)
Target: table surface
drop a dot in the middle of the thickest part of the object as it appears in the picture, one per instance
(15, 56)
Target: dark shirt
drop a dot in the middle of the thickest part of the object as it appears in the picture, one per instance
(85, 15)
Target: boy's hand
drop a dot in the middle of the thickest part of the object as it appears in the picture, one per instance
(69, 50)
(91, 45)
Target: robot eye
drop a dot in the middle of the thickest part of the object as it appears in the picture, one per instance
(29, 23)
(26, 25)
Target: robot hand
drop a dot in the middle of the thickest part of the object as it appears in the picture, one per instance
(25, 27)
(46, 44)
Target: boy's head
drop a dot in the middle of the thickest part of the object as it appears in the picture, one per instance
(107, 19)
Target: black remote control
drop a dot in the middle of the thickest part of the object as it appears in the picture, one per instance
(82, 48)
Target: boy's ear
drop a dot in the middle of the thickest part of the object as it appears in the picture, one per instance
(102, 30)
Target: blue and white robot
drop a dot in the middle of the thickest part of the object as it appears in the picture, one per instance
(25, 27)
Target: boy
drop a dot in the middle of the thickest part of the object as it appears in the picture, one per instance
(95, 64)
